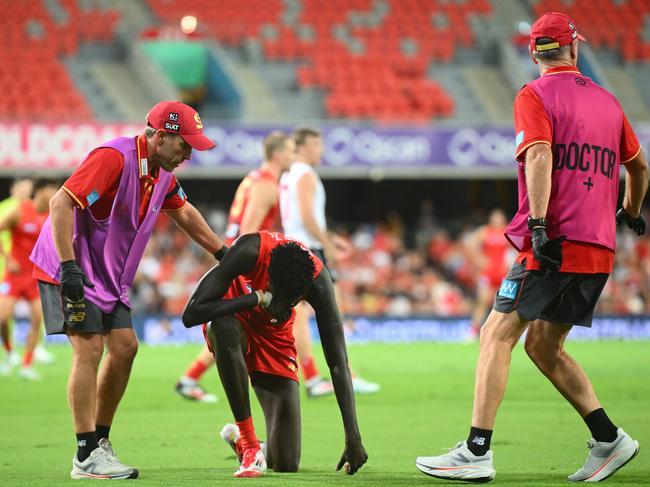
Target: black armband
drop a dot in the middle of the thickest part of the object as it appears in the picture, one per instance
(220, 253)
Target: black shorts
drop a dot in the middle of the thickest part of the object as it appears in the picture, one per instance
(96, 320)
(562, 297)
(321, 255)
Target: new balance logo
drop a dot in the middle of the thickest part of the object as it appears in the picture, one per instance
(508, 289)
(479, 440)
(81, 443)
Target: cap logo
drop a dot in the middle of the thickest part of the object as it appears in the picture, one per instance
(197, 119)
(571, 26)
(172, 126)
(173, 116)
(574, 34)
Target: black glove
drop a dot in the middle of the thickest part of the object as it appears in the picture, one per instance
(547, 252)
(636, 224)
(73, 281)
(218, 255)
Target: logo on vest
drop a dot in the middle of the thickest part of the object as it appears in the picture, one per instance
(508, 289)
(586, 158)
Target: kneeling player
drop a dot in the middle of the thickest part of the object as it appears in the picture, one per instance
(248, 299)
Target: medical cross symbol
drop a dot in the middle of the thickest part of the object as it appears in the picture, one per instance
(588, 183)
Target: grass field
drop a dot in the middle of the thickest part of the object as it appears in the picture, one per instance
(424, 406)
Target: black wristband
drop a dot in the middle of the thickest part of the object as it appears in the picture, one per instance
(220, 253)
(68, 263)
(536, 222)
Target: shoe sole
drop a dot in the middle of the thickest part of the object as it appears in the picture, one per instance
(80, 475)
(588, 479)
(476, 480)
(248, 474)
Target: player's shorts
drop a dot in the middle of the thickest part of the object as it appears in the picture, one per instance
(96, 320)
(20, 287)
(321, 255)
(271, 347)
(561, 297)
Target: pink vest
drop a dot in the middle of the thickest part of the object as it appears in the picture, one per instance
(587, 124)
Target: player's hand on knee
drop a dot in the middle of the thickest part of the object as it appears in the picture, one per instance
(636, 224)
(354, 456)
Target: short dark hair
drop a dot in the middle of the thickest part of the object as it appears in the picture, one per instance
(550, 54)
(291, 271)
(300, 135)
(40, 183)
(273, 142)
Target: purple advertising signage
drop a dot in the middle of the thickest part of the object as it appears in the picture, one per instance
(349, 150)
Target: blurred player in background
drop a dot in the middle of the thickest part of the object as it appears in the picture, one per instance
(254, 208)
(20, 190)
(24, 223)
(302, 208)
(248, 300)
(86, 258)
(490, 249)
(572, 138)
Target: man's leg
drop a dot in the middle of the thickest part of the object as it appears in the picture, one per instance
(611, 448)
(87, 349)
(545, 347)
(280, 400)
(188, 385)
(34, 333)
(499, 336)
(7, 304)
(229, 344)
(122, 346)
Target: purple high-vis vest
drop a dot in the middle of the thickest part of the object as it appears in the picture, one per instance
(109, 251)
(587, 124)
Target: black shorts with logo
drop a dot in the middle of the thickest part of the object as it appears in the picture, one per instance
(96, 321)
(561, 297)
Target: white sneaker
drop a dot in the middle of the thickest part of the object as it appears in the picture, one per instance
(605, 459)
(28, 373)
(253, 464)
(362, 386)
(458, 464)
(318, 387)
(14, 358)
(42, 355)
(5, 367)
(190, 389)
(101, 465)
(106, 444)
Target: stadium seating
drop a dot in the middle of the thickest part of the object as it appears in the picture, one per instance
(37, 86)
(371, 60)
(616, 25)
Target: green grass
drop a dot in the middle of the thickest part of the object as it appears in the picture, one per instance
(424, 406)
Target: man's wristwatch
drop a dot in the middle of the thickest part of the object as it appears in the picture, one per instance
(536, 223)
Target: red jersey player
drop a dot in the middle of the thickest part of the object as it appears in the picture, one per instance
(25, 223)
(248, 300)
(254, 208)
(490, 250)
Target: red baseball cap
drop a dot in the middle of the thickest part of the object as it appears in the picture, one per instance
(178, 118)
(556, 26)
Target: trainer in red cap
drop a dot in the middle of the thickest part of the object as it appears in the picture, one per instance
(178, 118)
(557, 30)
